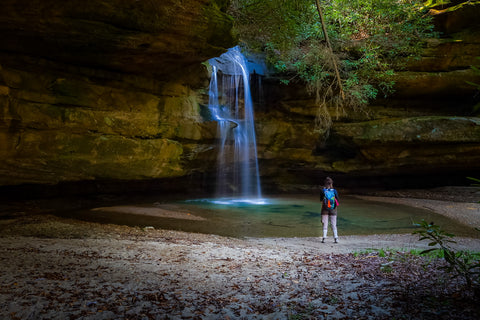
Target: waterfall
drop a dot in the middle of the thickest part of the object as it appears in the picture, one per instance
(230, 103)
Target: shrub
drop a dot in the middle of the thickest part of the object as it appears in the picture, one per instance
(460, 263)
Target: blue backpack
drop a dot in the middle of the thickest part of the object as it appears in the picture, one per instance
(329, 199)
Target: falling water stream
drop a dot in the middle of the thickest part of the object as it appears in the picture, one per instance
(230, 103)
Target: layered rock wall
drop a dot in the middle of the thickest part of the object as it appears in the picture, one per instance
(102, 90)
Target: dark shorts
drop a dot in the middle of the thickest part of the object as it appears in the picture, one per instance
(329, 212)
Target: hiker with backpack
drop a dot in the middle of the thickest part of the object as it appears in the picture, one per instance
(329, 198)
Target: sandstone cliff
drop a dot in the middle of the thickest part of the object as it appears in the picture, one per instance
(104, 89)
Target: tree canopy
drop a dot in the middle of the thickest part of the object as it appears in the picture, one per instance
(368, 39)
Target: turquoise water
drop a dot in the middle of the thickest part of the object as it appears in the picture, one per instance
(281, 217)
(294, 217)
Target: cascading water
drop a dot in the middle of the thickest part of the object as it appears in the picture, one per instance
(230, 103)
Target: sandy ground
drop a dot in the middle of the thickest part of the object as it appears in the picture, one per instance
(55, 268)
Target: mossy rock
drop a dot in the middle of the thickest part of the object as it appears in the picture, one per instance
(420, 130)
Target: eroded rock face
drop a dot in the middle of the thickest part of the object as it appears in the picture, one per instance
(56, 129)
(413, 144)
(105, 89)
(140, 37)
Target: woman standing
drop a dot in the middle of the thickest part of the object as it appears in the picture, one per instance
(329, 197)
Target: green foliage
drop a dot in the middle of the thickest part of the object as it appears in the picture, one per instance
(476, 184)
(435, 3)
(381, 253)
(387, 267)
(368, 37)
(460, 263)
(433, 254)
(357, 254)
(431, 4)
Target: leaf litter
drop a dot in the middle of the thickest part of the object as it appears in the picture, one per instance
(119, 272)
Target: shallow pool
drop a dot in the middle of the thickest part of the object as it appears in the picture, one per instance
(293, 216)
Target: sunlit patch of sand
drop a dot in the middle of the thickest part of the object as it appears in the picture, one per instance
(154, 212)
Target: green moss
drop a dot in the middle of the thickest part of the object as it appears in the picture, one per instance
(218, 24)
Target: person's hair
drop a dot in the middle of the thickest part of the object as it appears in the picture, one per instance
(328, 182)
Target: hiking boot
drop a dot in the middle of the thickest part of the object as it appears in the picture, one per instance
(323, 240)
(336, 240)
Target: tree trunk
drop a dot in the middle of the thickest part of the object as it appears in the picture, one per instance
(337, 72)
